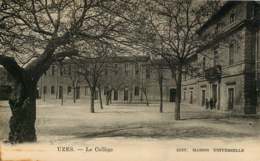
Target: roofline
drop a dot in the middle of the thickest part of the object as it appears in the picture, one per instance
(222, 10)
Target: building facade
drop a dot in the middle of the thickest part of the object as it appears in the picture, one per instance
(129, 79)
(229, 62)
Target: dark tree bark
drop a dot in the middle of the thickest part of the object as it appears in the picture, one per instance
(23, 100)
(23, 107)
(100, 97)
(92, 101)
(178, 93)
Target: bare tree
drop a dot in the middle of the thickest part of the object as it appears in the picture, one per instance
(74, 78)
(96, 58)
(169, 31)
(159, 67)
(34, 34)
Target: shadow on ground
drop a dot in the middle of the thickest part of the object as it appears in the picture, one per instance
(153, 131)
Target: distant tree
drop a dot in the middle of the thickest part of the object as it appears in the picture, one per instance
(74, 77)
(91, 66)
(159, 67)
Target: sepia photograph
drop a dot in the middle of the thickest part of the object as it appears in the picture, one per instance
(129, 80)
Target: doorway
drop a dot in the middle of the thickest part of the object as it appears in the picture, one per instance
(230, 98)
(191, 97)
(172, 95)
(125, 95)
(115, 95)
(60, 92)
(203, 97)
(77, 92)
(214, 95)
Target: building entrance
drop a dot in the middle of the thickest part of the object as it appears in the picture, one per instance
(203, 97)
(125, 95)
(230, 98)
(172, 95)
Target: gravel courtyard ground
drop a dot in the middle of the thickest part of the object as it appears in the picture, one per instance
(56, 123)
(137, 128)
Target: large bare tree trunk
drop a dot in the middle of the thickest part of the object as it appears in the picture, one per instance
(178, 94)
(23, 107)
(92, 101)
(100, 97)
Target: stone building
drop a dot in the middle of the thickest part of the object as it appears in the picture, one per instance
(229, 62)
(131, 79)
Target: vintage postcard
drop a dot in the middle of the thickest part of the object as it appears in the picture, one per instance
(129, 80)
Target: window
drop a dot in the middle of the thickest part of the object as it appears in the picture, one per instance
(232, 17)
(115, 95)
(44, 90)
(116, 70)
(126, 69)
(231, 53)
(136, 69)
(69, 90)
(148, 75)
(60, 92)
(184, 95)
(191, 97)
(204, 63)
(136, 91)
(53, 70)
(61, 71)
(52, 90)
(69, 70)
(125, 94)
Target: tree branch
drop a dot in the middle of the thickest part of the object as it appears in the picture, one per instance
(12, 67)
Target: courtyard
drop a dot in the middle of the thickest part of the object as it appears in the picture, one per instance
(72, 122)
(131, 132)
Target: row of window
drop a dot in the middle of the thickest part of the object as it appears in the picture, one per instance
(232, 51)
(69, 90)
(62, 70)
(116, 71)
(220, 25)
